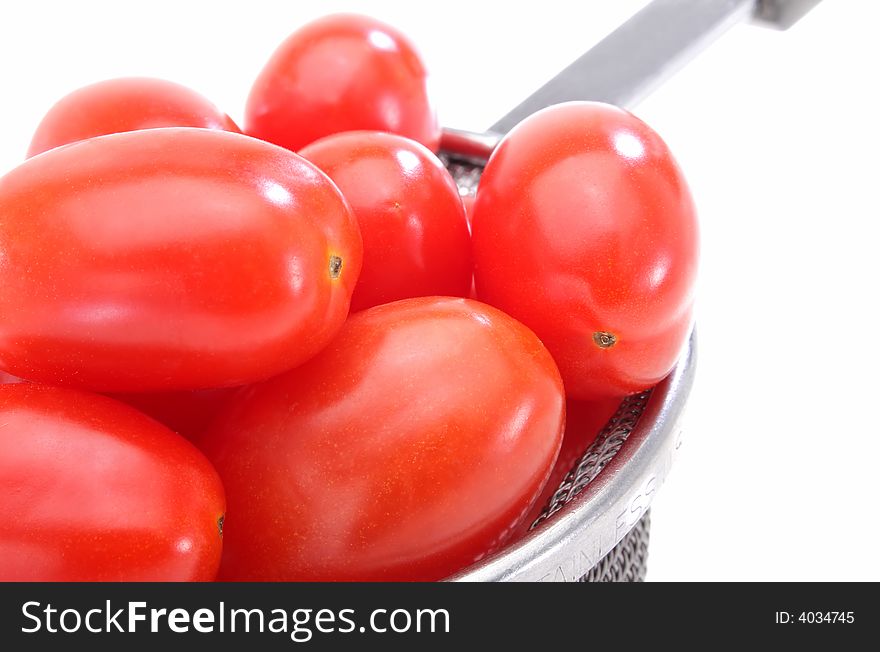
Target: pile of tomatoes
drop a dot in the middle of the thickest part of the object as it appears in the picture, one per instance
(289, 352)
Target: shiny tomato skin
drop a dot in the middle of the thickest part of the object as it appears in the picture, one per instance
(95, 491)
(342, 72)
(409, 448)
(584, 229)
(170, 259)
(125, 104)
(411, 217)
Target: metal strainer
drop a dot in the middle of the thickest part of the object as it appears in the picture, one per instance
(595, 526)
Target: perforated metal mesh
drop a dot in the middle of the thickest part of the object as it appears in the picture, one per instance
(600, 452)
(628, 560)
(465, 173)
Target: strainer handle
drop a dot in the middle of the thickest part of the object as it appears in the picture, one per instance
(640, 54)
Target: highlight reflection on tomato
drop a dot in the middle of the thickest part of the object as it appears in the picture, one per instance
(9, 379)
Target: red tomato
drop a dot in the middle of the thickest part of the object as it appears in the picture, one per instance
(170, 259)
(408, 448)
(95, 491)
(342, 73)
(584, 229)
(186, 413)
(125, 104)
(416, 237)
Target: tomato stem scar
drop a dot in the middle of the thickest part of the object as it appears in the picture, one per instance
(220, 524)
(604, 339)
(335, 266)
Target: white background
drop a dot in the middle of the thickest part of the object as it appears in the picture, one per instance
(778, 135)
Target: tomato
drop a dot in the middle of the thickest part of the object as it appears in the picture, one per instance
(408, 448)
(125, 104)
(186, 413)
(416, 237)
(95, 491)
(342, 73)
(584, 229)
(170, 259)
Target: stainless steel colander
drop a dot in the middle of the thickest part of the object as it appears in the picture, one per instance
(595, 526)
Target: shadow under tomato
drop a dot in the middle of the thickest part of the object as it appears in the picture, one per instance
(583, 422)
(186, 413)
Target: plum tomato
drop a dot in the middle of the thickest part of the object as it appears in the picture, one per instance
(408, 448)
(342, 72)
(125, 104)
(410, 214)
(584, 229)
(95, 491)
(170, 259)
